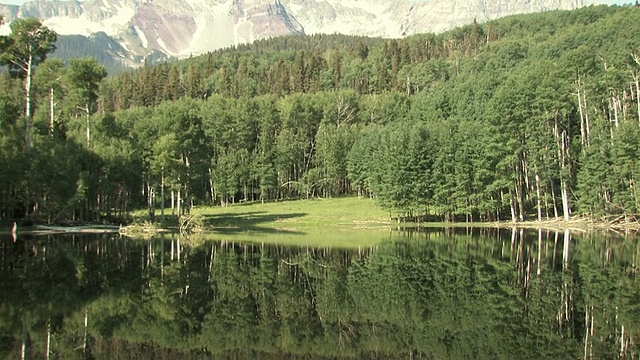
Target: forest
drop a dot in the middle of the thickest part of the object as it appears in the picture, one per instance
(527, 117)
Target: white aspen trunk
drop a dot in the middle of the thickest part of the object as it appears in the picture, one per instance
(149, 195)
(555, 246)
(86, 108)
(583, 131)
(565, 248)
(525, 171)
(48, 345)
(25, 336)
(539, 271)
(162, 260)
(213, 193)
(622, 341)
(519, 200)
(566, 211)
(172, 249)
(555, 203)
(51, 111)
(586, 333)
(591, 333)
(178, 248)
(27, 109)
(173, 201)
(213, 251)
(564, 188)
(186, 190)
(512, 203)
(162, 194)
(84, 336)
(539, 196)
(586, 118)
(178, 201)
(514, 237)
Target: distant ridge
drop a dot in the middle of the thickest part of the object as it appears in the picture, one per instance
(181, 28)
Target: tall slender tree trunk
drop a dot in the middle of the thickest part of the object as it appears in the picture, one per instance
(173, 202)
(213, 193)
(583, 131)
(48, 345)
(566, 210)
(178, 201)
(86, 109)
(637, 81)
(51, 111)
(562, 140)
(564, 186)
(25, 336)
(27, 109)
(539, 270)
(520, 194)
(586, 117)
(555, 202)
(512, 203)
(86, 325)
(178, 248)
(149, 199)
(539, 197)
(162, 195)
(565, 248)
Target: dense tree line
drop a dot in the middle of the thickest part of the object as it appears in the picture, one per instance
(528, 116)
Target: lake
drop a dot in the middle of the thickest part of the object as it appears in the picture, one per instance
(436, 294)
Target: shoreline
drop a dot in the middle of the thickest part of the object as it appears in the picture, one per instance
(577, 224)
(317, 215)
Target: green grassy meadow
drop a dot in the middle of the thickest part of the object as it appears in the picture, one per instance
(334, 222)
(297, 215)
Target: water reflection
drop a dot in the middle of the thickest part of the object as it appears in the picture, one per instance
(442, 293)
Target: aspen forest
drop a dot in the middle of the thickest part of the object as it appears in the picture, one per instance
(460, 294)
(528, 117)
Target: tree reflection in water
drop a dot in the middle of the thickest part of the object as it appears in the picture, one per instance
(442, 293)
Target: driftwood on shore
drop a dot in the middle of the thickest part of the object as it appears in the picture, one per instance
(49, 230)
(144, 229)
(621, 224)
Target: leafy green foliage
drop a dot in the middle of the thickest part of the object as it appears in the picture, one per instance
(531, 114)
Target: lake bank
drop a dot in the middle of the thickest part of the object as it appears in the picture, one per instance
(318, 215)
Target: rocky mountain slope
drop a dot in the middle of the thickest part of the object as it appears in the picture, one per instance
(189, 27)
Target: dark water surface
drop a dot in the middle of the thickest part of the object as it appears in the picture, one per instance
(441, 294)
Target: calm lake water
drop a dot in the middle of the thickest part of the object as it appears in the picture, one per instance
(439, 294)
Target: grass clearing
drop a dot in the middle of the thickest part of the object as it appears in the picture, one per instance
(334, 222)
(296, 216)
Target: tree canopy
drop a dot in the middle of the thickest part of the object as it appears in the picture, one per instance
(530, 116)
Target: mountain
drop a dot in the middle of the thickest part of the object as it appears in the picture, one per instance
(182, 28)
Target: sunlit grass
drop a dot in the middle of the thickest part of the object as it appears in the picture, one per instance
(298, 215)
(333, 222)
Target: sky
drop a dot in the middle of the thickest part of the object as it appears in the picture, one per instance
(619, 2)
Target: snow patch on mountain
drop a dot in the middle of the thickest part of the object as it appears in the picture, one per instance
(142, 36)
(82, 25)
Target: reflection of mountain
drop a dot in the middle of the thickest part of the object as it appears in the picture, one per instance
(485, 294)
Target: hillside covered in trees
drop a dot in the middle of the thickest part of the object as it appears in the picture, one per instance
(529, 116)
